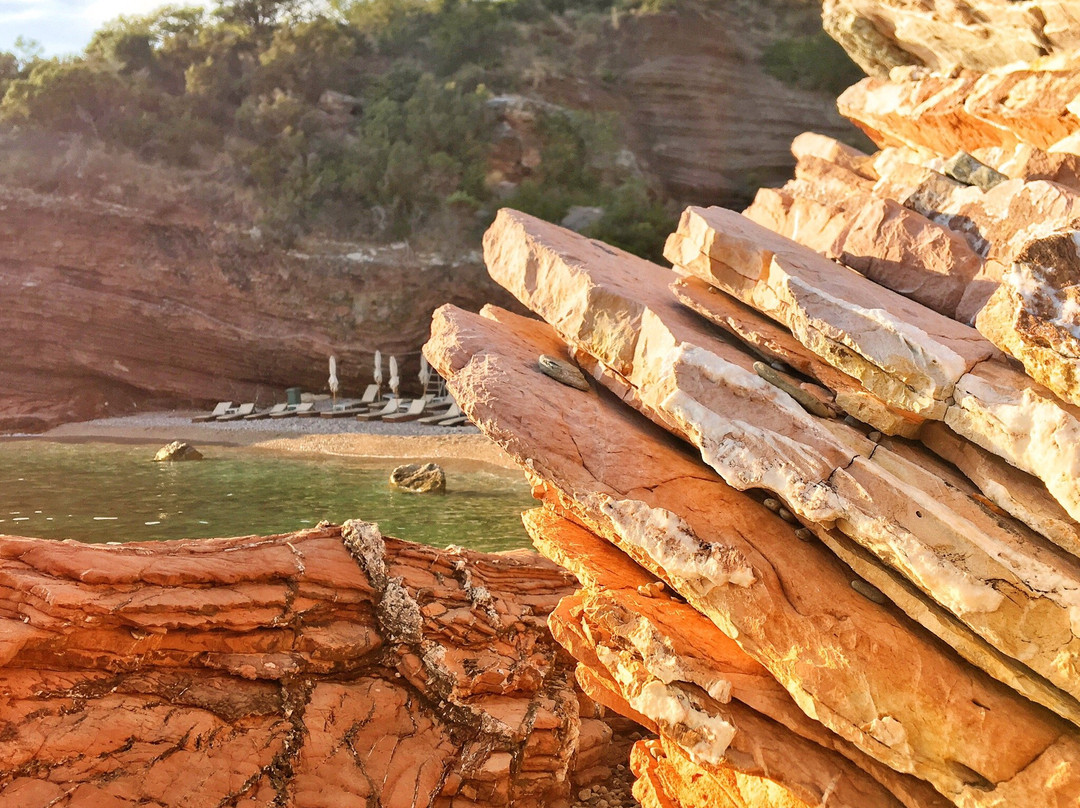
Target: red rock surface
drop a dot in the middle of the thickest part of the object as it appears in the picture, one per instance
(108, 309)
(326, 667)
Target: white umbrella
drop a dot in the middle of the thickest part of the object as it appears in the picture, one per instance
(333, 378)
(395, 380)
(425, 372)
(377, 377)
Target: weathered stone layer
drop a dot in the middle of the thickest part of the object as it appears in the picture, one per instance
(757, 437)
(329, 665)
(742, 566)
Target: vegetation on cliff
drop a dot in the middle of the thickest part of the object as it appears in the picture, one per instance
(380, 118)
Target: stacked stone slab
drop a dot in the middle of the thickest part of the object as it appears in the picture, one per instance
(804, 603)
(823, 496)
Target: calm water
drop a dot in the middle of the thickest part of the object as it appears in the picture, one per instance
(104, 492)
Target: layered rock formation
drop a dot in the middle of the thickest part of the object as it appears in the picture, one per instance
(703, 117)
(861, 584)
(942, 34)
(108, 309)
(329, 666)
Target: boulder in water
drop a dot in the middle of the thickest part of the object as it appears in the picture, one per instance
(177, 450)
(419, 478)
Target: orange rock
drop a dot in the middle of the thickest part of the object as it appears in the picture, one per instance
(789, 604)
(299, 671)
(671, 640)
(925, 111)
(667, 777)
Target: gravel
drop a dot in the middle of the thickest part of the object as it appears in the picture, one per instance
(181, 421)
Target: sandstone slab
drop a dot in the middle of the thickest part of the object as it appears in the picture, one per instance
(676, 644)
(776, 344)
(987, 402)
(1034, 316)
(894, 246)
(1002, 410)
(903, 352)
(921, 110)
(756, 436)
(668, 777)
(1012, 490)
(943, 35)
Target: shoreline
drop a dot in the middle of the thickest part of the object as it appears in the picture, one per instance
(455, 447)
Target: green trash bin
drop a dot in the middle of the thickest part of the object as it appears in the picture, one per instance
(292, 395)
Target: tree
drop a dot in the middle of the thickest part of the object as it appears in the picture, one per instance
(258, 16)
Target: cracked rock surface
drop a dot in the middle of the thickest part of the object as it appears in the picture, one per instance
(333, 666)
(820, 492)
(787, 603)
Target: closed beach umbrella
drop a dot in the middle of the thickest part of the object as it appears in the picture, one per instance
(395, 380)
(333, 378)
(425, 372)
(377, 377)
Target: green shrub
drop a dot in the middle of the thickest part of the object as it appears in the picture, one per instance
(813, 62)
(238, 89)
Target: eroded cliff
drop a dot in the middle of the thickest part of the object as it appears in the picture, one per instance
(108, 309)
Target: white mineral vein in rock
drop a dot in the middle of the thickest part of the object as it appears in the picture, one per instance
(667, 666)
(667, 538)
(672, 710)
(1002, 411)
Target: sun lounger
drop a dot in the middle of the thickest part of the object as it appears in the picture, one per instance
(392, 406)
(255, 416)
(222, 408)
(354, 406)
(243, 411)
(460, 420)
(453, 411)
(410, 413)
(294, 409)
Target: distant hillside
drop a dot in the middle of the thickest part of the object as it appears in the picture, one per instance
(391, 119)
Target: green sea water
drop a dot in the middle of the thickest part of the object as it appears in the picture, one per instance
(96, 492)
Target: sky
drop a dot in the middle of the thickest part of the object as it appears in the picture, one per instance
(65, 26)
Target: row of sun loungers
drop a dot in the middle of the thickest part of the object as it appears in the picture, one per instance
(424, 410)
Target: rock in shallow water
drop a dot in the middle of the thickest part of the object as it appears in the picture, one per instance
(428, 478)
(177, 450)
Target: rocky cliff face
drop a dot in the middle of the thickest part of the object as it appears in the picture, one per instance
(705, 116)
(109, 309)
